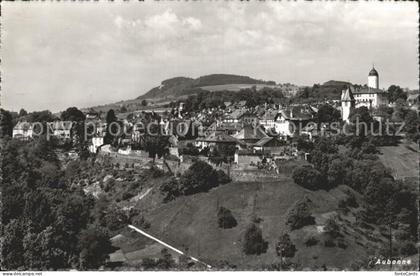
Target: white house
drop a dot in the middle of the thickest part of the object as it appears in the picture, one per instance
(23, 130)
(96, 143)
(60, 129)
(370, 96)
(268, 119)
(290, 121)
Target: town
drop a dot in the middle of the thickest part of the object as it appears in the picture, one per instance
(271, 160)
(209, 136)
(236, 133)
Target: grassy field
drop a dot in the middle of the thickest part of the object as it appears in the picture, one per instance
(190, 224)
(403, 160)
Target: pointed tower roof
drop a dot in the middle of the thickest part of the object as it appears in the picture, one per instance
(347, 94)
(373, 72)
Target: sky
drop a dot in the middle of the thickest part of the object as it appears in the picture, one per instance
(61, 54)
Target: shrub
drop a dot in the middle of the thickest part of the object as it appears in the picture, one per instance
(115, 219)
(148, 263)
(254, 244)
(134, 185)
(408, 248)
(222, 177)
(300, 216)
(285, 247)
(342, 205)
(332, 228)
(109, 184)
(189, 150)
(127, 195)
(342, 244)
(137, 219)
(200, 177)
(155, 172)
(308, 177)
(349, 201)
(225, 218)
(165, 262)
(329, 243)
(171, 190)
(311, 241)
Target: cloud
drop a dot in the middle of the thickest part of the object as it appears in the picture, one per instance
(102, 53)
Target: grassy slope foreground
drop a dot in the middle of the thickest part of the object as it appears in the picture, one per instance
(402, 159)
(190, 224)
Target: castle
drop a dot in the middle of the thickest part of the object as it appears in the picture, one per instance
(371, 96)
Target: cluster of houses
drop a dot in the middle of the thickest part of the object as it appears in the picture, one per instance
(262, 130)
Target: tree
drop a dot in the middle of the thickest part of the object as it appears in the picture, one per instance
(171, 189)
(332, 228)
(94, 246)
(41, 116)
(362, 121)
(6, 124)
(303, 144)
(73, 114)
(395, 92)
(412, 125)
(166, 261)
(115, 219)
(305, 93)
(200, 177)
(300, 215)
(156, 145)
(43, 252)
(327, 114)
(123, 109)
(285, 247)
(222, 177)
(22, 112)
(111, 134)
(41, 216)
(400, 110)
(336, 172)
(144, 103)
(12, 245)
(254, 244)
(225, 218)
(308, 177)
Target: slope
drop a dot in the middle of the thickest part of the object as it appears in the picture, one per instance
(180, 86)
(190, 224)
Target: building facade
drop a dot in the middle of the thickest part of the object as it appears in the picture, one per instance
(369, 96)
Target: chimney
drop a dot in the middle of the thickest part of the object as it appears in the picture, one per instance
(291, 113)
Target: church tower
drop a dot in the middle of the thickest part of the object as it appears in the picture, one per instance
(347, 103)
(373, 78)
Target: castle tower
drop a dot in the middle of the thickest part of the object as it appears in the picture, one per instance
(373, 78)
(347, 103)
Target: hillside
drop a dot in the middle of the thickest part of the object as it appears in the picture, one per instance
(190, 224)
(220, 79)
(170, 87)
(180, 86)
(333, 83)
